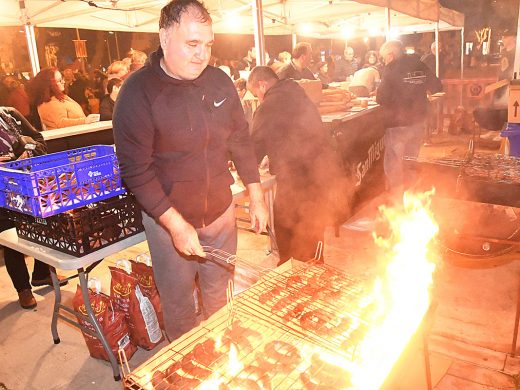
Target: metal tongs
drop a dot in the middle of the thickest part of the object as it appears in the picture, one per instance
(220, 257)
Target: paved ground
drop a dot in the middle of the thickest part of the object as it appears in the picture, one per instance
(470, 339)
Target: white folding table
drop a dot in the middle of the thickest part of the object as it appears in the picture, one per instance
(84, 264)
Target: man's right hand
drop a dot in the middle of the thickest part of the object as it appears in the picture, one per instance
(184, 235)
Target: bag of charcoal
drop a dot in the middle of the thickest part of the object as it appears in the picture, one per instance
(138, 309)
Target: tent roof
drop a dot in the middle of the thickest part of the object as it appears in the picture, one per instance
(329, 18)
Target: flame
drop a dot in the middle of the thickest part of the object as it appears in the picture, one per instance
(234, 363)
(402, 295)
(234, 367)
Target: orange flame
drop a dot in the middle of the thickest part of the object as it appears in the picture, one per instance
(402, 295)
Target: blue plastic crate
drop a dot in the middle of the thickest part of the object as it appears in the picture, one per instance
(47, 185)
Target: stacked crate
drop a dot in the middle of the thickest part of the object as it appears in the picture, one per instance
(71, 201)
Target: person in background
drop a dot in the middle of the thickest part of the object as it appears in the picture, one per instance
(494, 117)
(365, 80)
(176, 122)
(346, 65)
(287, 128)
(106, 107)
(17, 96)
(299, 67)
(117, 70)
(19, 140)
(430, 60)
(403, 96)
(55, 108)
(77, 90)
(283, 58)
(250, 58)
(138, 60)
(323, 73)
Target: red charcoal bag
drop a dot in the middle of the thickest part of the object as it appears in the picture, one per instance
(112, 324)
(146, 280)
(138, 309)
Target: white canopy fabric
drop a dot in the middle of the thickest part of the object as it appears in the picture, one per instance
(327, 18)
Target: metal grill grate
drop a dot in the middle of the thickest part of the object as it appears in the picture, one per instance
(277, 341)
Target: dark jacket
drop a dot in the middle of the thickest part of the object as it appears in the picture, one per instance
(174, 139)
(403, 91)
(106, 108)
(287, 127)
(15, 129)
(289, 71)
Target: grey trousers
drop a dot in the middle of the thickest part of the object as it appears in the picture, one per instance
(175, 273)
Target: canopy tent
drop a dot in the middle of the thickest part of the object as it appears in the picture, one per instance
(312, 18)
(329, 18)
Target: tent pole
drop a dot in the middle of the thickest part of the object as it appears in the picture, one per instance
(33, 51)
(258, 20)
(388, 23)
(117, 46)
(461, 63)
(462, 53)
(517, 49)
(437, 48)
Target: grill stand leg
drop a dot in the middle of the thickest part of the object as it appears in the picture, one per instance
(517, 318)
(427, 365)
(84, 291)
(57, 304)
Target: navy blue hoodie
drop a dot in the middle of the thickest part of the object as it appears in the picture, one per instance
(403, 91)
(174, 139)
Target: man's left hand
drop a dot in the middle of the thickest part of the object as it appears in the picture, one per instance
(257, 208)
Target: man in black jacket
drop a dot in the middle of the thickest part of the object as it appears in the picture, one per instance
(176, 122)
(299, 67)
(287, 128)
(403, 96)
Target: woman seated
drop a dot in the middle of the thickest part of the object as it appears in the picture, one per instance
(55, 108)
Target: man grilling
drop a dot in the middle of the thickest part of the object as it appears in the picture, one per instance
(176, 122)
(288, 129)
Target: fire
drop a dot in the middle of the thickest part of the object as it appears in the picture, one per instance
(234, 363)
(402, 294)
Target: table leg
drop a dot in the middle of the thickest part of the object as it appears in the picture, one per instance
(92, 318)
(517, 318)
(57, 303)
(269, 200)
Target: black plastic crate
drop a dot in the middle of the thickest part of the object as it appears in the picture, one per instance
(83, 230)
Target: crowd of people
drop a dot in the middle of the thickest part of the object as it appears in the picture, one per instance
(57, 98)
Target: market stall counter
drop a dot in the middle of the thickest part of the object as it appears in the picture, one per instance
(84, 264)
(358, 134)
(79, 136)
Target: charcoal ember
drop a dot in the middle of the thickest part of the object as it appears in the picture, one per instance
(260, 376)
(327, 375)
(309, 384)
(240, 383)
(205, 352)
(178, 381)
(270, 295)
(239, 335)
(295, 281)
(294, 312)
(159, 381)
(171, 369)
(286, 356)
(190, 366)
(281, 304)
(317, 321)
